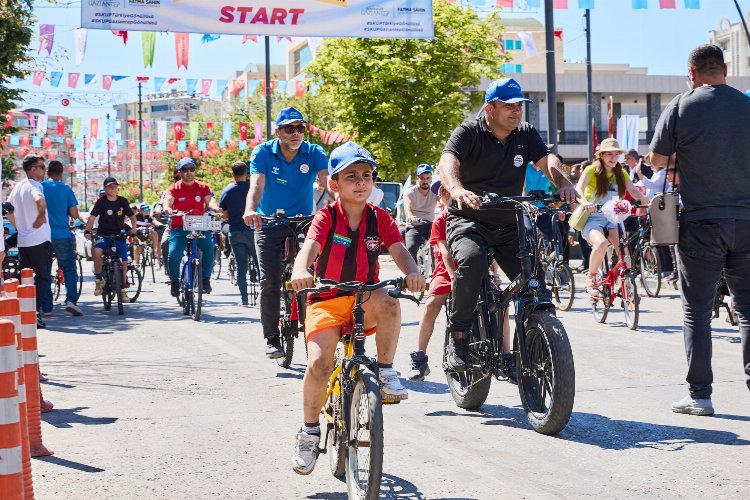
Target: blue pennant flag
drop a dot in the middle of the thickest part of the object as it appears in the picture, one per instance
(252, 86)
(191, 84)
(110, 127)
(16, 141)
(54, 78)
(181, 145)
(162, 146)
(585, 4)
(243, 145)
(220, 86)
(227, 131)
(692, 4)
(159, 83)
(640, 4)
(89, 78)
(202, 145)
(209, 38)
(36, 141)
(117, 78)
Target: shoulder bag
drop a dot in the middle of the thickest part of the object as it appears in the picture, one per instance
(665, 214)
(580, 216)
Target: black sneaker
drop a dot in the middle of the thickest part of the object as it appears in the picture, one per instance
(40, 323)
(206, 285)
(273, 347)
(509, 367)
(419, 366)
(175, 289)
(457, 358)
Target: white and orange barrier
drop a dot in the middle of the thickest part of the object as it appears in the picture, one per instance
(27, 299)
(27, 276)
(11, 463)
(10, 287)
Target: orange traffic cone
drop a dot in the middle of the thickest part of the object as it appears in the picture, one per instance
(27, 276)
(10, 287)
(11, 468)
(27, 298)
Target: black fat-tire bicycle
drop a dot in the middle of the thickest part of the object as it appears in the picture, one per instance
(541, 359)
(290, 325)
(353, 409)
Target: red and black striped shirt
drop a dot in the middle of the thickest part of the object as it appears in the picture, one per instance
(351, 255)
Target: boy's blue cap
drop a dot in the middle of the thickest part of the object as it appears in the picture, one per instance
(346, 155)
(506, 90)
(436, 186)
(185, 161)
(289, 115)
(422, 168)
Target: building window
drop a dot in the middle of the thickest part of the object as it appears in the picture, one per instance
(159, 108)
(511, 68)
(302, 58)
(512, 44)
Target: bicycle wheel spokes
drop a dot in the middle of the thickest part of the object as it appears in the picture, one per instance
(650, 268)
(365, 459)
(563, 286)
(630, 301)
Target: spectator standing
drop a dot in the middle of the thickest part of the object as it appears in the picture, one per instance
(34, 234)
(241, 237)
(61, 206)
(636, 166)
(419, 210)
(282, 172)
(708, 129)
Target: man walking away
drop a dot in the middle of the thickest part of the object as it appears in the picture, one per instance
(708, 129)
(61, 205)
(34, 247)
(241, 237)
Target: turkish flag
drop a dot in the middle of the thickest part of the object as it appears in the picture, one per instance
(38, 77)
(178, 133)
(157, 156)
(211, 144)
(232, 145)
(148, 155)
(243, 131)
(206, 86)
(8, 119)
(25, 140)
(237, 86)
(196, 153)
(47, 142)
(191, 145)
(100, 155)
(60, 125)
(72, 154)
(209, 125)
(299, 89)
(176, 155)
(94, 128)
(120, 156)
(204, 153)
(107, 82)
(87, 143)
(171, 145)
(131, 144)
(73, 79)
(130, 155)
(68, 142)
(214, 153)
(52, 154)
(80, 155)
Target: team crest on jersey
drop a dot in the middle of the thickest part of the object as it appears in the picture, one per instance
(372, 243)
(518, 160)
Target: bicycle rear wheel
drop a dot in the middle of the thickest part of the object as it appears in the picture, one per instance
(469, 388)
(600, 305)
(57, 279)
(547, 384)
(336, 439)
(216, 269)
(135, 278)
(630, 300)
(80, 274)
(364, 466)
(232, 269)
(563, 286)
(185, 297)
(106, 289)
(288, 331)
(650, 268)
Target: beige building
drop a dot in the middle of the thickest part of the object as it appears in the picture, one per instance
(733, 41)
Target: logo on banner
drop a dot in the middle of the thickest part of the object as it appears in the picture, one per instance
(375, 11)
(144, 3)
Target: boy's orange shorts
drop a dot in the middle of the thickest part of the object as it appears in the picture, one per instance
(327, 313)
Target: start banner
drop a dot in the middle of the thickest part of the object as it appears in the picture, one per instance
(306, 18)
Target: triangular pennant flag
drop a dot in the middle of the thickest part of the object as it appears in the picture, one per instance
(559, 4)
(191, 83)
(585, 4)
(107, 82)
(280, 38)
(73, 79)
(299, 90)
(252, 86)
(158, 83)
(182, 49)
(667, 4)
(121, 33)
(220, 86)
(206, 86)
(173, 80)
(38, 77)
(640, 4)
(117, 78)
(89, 78)
(141, 78)
(209, 38)
(54, 78)
(692, 4)
(251, 38)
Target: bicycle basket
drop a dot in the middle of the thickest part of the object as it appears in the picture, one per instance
(196, 223)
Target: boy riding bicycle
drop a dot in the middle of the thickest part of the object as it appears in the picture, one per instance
(346, 238)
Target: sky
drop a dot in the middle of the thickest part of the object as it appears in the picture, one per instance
(653, 38)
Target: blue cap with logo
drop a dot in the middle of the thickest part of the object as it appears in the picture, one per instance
(145, 206)
(422, 168)
(505, 90)
(348, 154)
(289, 115)
(185, 162)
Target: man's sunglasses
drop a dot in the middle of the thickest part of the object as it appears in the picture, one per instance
(187, 169)
(290, 129)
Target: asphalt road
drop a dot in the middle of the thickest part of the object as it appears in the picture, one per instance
(157, 406)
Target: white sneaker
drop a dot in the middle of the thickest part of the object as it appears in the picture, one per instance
(305, 453)
(390, 385)
(73, 308)
(690, 406)
(98, 284)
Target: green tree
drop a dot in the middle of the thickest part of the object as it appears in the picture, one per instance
(15, 37)
(9, 171)
(403, 97)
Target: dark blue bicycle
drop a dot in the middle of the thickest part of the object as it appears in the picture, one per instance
(190, 295)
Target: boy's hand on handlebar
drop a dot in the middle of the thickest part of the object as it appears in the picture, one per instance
(415, 282)
(302, 280)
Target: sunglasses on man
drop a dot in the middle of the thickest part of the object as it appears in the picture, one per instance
(290, 129)
(187, 169)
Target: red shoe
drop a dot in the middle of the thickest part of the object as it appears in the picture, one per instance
(46, 406)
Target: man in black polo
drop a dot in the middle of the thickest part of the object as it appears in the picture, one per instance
(489, 154)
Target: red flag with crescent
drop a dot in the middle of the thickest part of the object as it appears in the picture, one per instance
(243, 131)
(60, 122)
(178, 133)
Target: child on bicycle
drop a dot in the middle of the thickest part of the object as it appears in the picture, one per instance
(111, 210)
(346, 238)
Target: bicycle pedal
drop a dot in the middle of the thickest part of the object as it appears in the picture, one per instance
(390, 401)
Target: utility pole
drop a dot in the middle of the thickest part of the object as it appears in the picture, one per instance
(589, 90)
(268, 87)
(549, 32)
(140, 143)
(108, 166)
(742, 18)
(85, 179)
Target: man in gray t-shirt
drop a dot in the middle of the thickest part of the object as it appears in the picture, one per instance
(708, 128)
(419, 207)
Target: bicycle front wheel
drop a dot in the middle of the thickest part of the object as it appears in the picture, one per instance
(197, 298)
(135, 278)
(364, 466)
(650, 268)
(563, 286)
(232, 270)
(216, 269)
(118, 287)
(547, 384)
(630, 300)
(600, 305)
(80, 274)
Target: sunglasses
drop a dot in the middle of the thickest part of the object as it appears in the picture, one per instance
(187, 169)
(290, 129)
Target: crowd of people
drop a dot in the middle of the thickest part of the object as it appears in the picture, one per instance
(699, 133)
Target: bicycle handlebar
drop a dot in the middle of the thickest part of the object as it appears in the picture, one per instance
(492, 199)
(323, 285)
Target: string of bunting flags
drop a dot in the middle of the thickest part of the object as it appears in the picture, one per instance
(564, 4)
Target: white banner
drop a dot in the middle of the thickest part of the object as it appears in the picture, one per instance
(302, 18)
